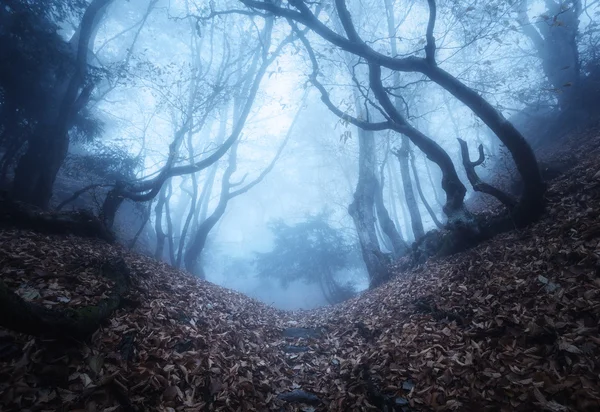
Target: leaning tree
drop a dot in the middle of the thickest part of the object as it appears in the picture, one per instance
(531, 202)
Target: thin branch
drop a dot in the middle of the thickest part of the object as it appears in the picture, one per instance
(79, 192)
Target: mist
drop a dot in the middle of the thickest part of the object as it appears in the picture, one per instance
(290, 150)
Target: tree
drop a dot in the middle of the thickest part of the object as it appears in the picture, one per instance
(554, 37)
(402, 153)
(409, 194)
(49, 142)
(312, 251)
(531, 203)
(228, 192)
(146, 189)
(362, 210)
(32, 56)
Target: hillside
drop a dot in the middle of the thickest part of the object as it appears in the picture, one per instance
(511, 325)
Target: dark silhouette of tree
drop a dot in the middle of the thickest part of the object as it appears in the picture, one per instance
(48, 144)
(311, 251)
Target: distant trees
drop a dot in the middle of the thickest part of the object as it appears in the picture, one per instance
(312, 251)
(554, 37)
(229, 190)
(261, 57)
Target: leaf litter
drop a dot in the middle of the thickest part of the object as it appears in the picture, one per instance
(510, 325)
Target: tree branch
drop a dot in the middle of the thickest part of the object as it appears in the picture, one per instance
(475, 180)
(365, 125)
(430, 46)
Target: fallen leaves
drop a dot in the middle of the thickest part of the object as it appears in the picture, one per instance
(510, 325)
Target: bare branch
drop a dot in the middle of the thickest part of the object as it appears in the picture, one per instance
(430, 46)
(475, 180)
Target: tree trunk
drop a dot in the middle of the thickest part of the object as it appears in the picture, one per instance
(48, 146)
(160, 234)
(411, 202)
(392, 198)
(433, 185)
(399, 246)
(532, 202)
(422, 195)
(409, 194)
(114, 199)
(147, 214)
(555, 42)
(170, 231)
(477, 183)
(362, 211)
(194, 250)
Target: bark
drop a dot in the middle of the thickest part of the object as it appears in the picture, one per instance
(409, 196)
(384, 241)
(48, 146)
(392, 198)
(422, 195)
(433, 185)
(147, 214)
(454, 207)
(362, 209)
(114, 199)
(80, 323)
(170, 232)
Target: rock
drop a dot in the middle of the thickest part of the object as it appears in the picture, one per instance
(305, 333)
(299, 396)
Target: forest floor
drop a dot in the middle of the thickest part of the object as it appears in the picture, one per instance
(510, 325)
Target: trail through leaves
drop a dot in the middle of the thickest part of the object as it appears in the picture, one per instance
(510, 325)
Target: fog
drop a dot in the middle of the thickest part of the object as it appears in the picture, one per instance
(288, 150)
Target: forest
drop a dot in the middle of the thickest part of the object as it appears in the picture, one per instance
(294, 205)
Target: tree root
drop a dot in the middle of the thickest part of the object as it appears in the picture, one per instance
(33, 319)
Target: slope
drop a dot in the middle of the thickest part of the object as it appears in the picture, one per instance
(511, 324)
